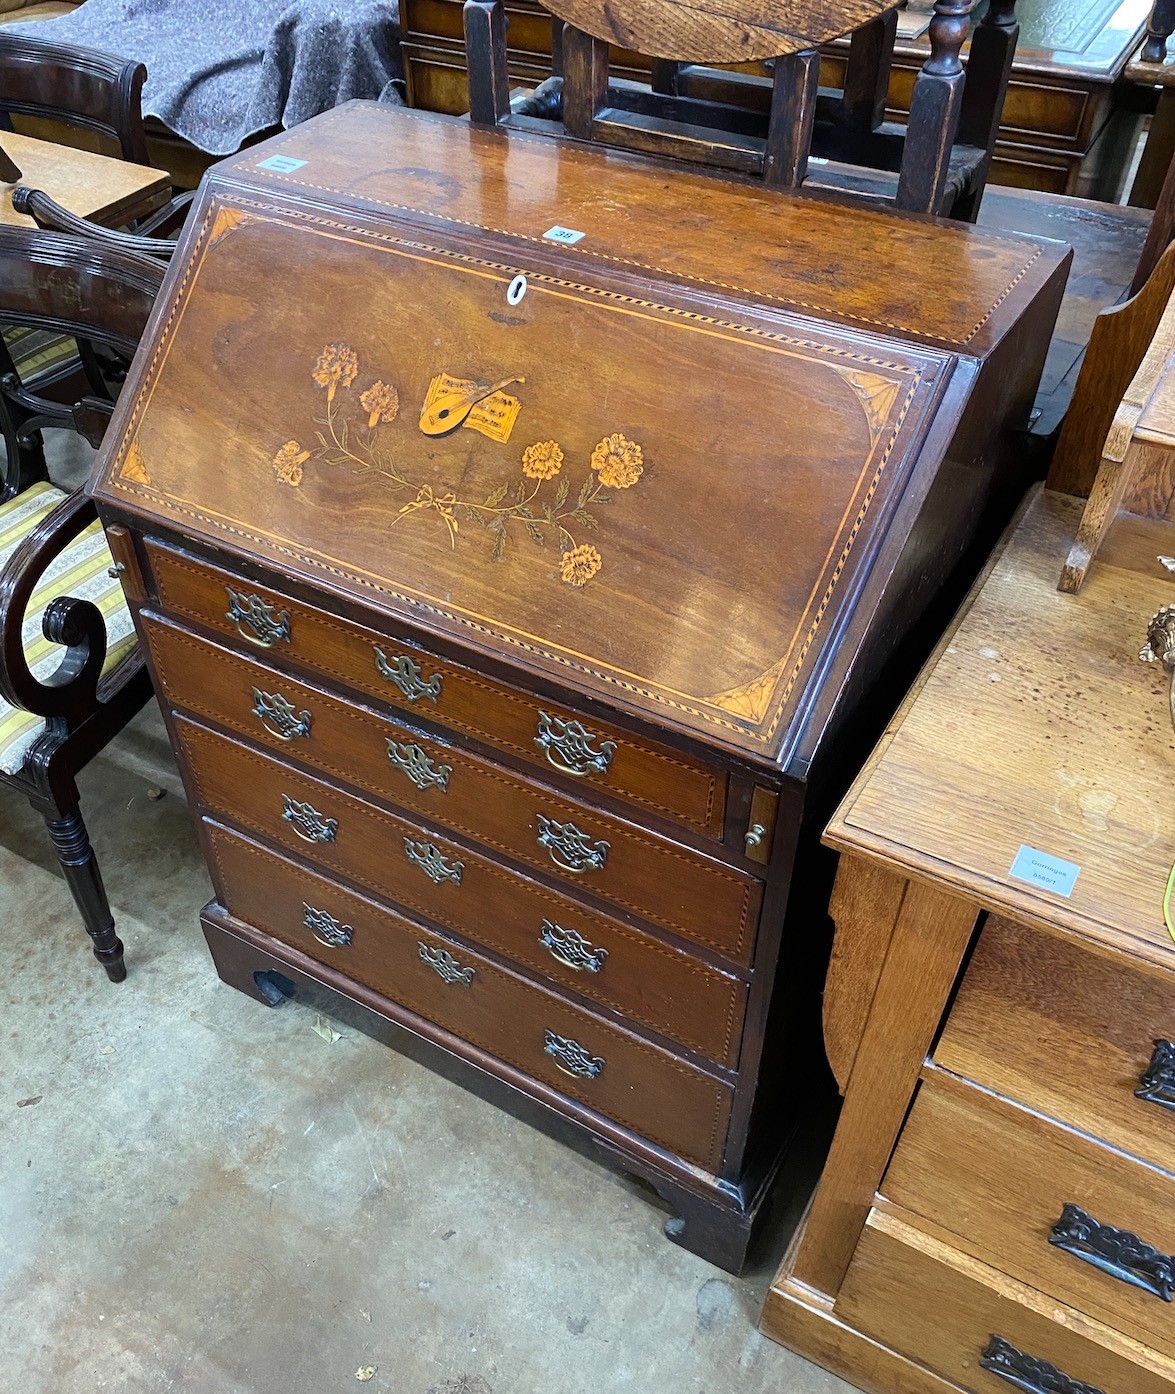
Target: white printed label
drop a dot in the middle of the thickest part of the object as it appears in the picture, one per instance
(1049, 873)
(282, 164)
(566, 235)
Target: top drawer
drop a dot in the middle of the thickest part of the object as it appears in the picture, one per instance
(1070, 1032)
(404, 675)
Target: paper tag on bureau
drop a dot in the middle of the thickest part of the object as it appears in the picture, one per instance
(1048, 872)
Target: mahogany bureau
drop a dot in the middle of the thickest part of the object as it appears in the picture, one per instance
(998, 1207)
(517, 552)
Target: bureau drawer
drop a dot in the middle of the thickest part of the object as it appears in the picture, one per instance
(958, 1317)
(630, 1080)
(403, 675)
(1071, 1033)
(681, 890)
(657, 986)
(1090, 1227)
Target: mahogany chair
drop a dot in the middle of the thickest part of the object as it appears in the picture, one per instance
(71, 676)
(771, 127)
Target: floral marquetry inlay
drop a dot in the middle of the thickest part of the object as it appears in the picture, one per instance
(538, 503)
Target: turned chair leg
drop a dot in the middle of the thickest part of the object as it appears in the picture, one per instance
(72, 845)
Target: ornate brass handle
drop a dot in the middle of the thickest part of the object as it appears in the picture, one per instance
(567, 746)
(571, 948)
(325, 928)
(446, 965)
(1026, 1372)
(571, 1057)
(569, 848)
(418, 767)
(1114, 1251)
(279, 717)
(433, 862)
(405, 673)
(307, 822)
(1156, 1084)
(1160, 647)
(256, 621)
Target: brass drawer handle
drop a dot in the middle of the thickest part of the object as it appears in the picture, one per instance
(433, 862)
(1026, 1372)
(1156, 1084)
(279, 717)
(406, 675)
(325, 928)
(570, 1056)
(446, 965)
(256, 621)
(571, 948)
(569, 848)
(418, 767)
(307, 822)
(1114, 1251)
(567, 746)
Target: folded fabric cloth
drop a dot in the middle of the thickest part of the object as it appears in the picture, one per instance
(220, 71)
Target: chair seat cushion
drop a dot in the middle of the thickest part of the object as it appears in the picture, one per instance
(82, 571)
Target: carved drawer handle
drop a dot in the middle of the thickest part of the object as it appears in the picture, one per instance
(325, 928)
(433, 862)
(567, 746)
(307, 822)
(569, 848)
(406, 675)
(446, 965)
(1156, 1084)
(279, 717)
(570, 1056)
(1026, 1372)
(256, 621)
(571, 948)
(418, 767)
(1114, 1251)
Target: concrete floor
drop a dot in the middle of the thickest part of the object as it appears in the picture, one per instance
(198, 1193)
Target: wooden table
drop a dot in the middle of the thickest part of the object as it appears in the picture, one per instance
(108, 191)
(996, 1070)
(1066, 128)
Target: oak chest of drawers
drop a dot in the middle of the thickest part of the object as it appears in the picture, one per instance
(513, 548)
(998, 1208)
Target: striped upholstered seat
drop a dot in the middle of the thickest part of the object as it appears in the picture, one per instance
(83, 571)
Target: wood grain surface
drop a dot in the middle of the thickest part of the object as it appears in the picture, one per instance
(93, 186)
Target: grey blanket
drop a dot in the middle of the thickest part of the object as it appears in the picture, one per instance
(219, 71)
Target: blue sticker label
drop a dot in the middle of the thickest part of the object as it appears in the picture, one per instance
(283, 164)
(1049, 873)
(567, 235)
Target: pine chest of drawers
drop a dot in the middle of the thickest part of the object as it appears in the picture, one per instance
(515, 549)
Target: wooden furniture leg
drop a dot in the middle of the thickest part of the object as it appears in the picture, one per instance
(934, 111)
(929, 940)
(71, 842)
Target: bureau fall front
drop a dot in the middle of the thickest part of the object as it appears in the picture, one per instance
(520, 536)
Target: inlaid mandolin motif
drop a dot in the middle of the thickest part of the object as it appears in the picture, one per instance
(539, 503)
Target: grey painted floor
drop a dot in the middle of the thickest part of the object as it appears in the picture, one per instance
(202, 1194)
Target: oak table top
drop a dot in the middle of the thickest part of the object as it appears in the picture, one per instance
(93, 186)
(999, 748)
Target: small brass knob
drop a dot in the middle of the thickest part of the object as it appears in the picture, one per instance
(754, 835)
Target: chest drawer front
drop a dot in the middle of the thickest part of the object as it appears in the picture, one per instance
(1049, 1206)
(978, 1329)
(679, 889)
(657, 986)
(629, 1080)
(1084, 1037)
(599, 756)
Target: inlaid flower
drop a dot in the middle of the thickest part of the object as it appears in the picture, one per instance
(288, 462)
(381, 402)
(543, 460)
(619, 461)
(336, 367)
(580, 564)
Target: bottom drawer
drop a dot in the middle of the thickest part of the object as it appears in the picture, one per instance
(978, 1329)
(609, 1069)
